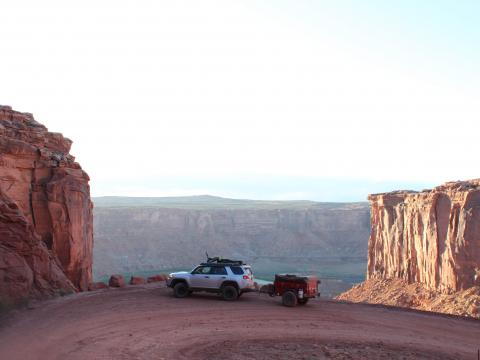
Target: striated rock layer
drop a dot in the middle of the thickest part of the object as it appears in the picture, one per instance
(430, 237)
(46, 224)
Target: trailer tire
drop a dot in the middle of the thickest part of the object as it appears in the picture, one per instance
(229, 293)
(289, 298)
(180, 290)
(303, 301)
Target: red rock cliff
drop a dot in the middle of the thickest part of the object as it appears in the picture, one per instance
(46, 231)
(430, 237)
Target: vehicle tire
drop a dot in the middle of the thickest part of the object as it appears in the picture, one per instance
(289, 298)
(229, 293)
(180, 290)
(303, 301)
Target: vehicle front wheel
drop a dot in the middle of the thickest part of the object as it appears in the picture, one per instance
(180, 290)
(229, 293)
(289, 298)
(303, 301)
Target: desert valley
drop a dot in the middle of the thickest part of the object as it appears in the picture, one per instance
(143, 236)
(415, 251)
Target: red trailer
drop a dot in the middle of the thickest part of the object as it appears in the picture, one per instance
(295, 289)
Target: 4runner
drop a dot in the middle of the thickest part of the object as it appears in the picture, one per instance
(230, 278)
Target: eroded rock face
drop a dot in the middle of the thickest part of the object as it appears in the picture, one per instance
(430, 237)
(46, 224)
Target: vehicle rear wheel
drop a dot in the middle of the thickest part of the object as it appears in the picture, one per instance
(289, 298)
(180, 290)
(229, 293)
(303, 301)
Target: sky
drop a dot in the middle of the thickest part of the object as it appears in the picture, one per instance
(320, 100)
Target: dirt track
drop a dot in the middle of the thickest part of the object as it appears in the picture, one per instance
(146, 322)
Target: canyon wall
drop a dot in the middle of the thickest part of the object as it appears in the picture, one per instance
(430, 237)
(161, 234)
(46, 223)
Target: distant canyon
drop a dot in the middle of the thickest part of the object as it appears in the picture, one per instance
(141, 234)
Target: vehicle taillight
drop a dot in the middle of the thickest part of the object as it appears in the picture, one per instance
(246, 277)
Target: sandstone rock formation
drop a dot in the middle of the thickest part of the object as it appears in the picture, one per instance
(46, 234)
(430, 238)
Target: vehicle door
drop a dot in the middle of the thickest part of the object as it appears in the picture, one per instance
(200, 277)
(218, 274)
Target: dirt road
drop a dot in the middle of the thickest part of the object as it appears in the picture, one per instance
(146, 322)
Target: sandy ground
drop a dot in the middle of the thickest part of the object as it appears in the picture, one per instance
(147, 322)
(397, 292)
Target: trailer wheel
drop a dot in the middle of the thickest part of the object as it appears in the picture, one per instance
(289, 298)
(180, 290)
(229, 293)
(303, 301)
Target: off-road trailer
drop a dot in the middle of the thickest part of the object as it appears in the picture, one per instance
(294, 289)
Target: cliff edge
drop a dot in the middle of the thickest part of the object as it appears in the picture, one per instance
(430, 238)
(46, 223)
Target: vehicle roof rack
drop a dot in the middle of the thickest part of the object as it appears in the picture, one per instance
(219, 261)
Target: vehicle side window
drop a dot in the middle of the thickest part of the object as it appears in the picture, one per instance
(202, 270)
(237, 270)
(218, 270)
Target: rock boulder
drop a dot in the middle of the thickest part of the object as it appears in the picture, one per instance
(116, 281)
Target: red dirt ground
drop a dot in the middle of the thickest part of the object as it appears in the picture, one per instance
(147, 322)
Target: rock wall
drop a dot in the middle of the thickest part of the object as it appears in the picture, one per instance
(430, 237)
(46, 224)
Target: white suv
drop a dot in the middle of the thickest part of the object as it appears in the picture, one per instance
(230, 278)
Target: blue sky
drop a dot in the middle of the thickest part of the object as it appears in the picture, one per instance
(297, 98)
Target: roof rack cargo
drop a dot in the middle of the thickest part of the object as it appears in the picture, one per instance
(220, 261)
